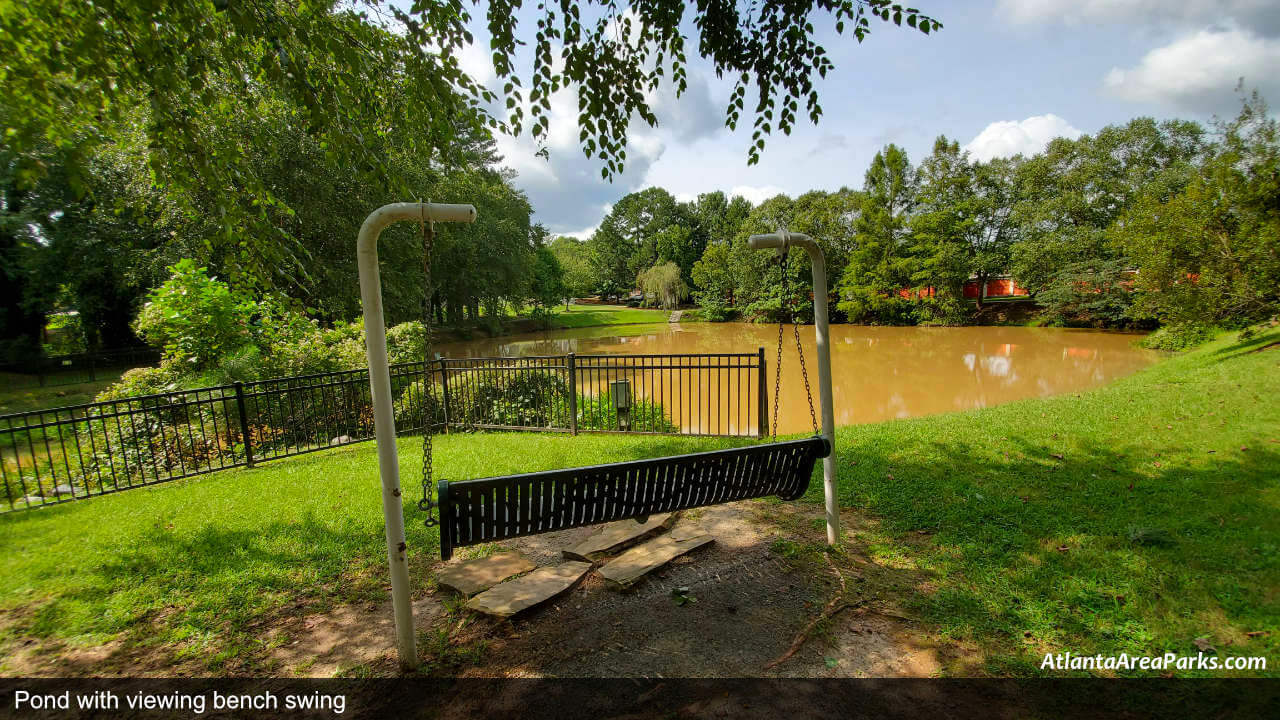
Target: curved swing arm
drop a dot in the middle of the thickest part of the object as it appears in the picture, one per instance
(380, 387)
(784, 241)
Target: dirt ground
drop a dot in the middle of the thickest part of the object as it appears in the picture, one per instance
(752, 591)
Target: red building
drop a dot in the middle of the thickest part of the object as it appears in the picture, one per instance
(997, 287)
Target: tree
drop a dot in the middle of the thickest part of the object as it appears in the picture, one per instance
(716, 276)
(355, 75)
(961, 228)
(573, 258)
(881, 265)
(945, 231)
(1210, 253)
(548, 286)
(626, 243)
(1075, 190)
(664, 283)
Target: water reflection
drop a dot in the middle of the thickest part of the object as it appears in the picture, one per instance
(878, 373)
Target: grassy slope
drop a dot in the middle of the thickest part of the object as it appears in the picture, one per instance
(1156, 525)
(1103, 550)
(588, 315)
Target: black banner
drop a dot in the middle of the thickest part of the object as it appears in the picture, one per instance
(624, 698)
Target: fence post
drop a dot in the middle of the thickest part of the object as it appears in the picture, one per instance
(573, 393)
(244, 424)
(444, 391)
(762, 425)
(92, 378)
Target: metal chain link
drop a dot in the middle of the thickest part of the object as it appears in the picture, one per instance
(789, 301)
(427, 504)
(777, 366)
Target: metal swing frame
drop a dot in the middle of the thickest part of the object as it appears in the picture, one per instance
(493, 508)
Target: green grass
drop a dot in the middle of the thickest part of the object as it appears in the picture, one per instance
(588, 315)
(1134, 518)
(1137, 539)
(201, 567)
(15, 399)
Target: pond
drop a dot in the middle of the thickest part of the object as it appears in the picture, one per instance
(878, 373)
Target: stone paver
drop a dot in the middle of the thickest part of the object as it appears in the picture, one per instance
(472, 576)
(524, 592)
(635, 563)
(615, 536)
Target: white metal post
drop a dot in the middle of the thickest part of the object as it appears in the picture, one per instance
(375, 332)
(784, 240)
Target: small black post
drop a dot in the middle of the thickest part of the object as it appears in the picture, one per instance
(573, 393)
(244, 424)
(444, 390)
(762, 428)
(92, 378)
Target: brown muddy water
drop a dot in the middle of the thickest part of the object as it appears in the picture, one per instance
(878, 373)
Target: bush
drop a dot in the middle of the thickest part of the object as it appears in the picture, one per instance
(416, 406)
(523, 398)
(1177, 338)
(713, 308)
(598, 413)
(141, 381)
(406, 342)
(195, 318)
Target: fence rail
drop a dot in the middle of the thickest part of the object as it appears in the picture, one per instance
(62, 454)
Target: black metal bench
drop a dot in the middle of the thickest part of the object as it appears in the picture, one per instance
(498, 508)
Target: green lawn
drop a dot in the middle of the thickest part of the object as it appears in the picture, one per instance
(1134, 518)
(1158, 524)
(15, 399)
(588, 315)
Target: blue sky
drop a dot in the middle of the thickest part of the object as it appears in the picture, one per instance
(1003, 76)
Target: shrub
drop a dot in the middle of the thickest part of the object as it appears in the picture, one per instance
(524, 398)
(141, 381)
(406, 342)
(713, 308)
(195, 318)
(1177, 338)
(417, 406)
(598, 413)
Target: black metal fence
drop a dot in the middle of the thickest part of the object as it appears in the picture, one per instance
(74, 369)
(56, 455)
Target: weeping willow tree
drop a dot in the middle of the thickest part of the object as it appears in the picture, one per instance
(664, 283)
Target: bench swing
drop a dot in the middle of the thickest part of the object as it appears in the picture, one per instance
(503, 507)
(509, 506)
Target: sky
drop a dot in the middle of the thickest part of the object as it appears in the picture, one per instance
(1001, 77)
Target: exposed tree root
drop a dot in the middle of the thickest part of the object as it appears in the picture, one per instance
(832, 608)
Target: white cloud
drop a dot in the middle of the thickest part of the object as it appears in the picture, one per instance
(583, 234)
(1199, 72)
(1261, 15)
(756, 194)
(474, 61)
(566, 189)
(1006, 138)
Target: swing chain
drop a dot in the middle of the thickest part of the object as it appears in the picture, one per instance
(788, 302)
(427, 504)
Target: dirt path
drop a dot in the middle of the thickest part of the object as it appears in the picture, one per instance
(753, 590)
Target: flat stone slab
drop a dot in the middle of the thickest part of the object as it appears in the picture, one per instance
(472, 576)
(615, 536)
(635, 563)
(524, 592)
